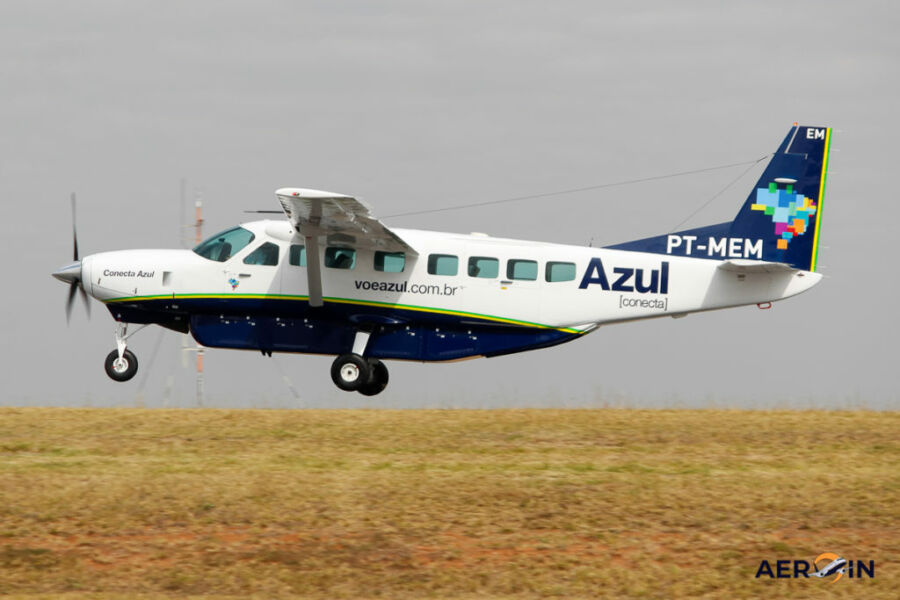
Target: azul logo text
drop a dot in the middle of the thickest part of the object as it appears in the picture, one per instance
(627, 279)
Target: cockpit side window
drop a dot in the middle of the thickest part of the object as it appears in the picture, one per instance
(224, 245)
(297, 256)
(266, 255)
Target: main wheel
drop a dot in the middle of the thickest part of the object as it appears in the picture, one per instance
(378, 378)
(121, 369)
(350, 372)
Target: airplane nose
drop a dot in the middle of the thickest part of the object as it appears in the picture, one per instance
(70, 273)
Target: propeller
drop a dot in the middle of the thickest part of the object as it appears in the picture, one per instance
(71, 273)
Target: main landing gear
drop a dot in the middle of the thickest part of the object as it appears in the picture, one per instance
(121, 364)
(352, 372)
(355, 373)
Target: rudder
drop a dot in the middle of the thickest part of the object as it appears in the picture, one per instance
(785, 207)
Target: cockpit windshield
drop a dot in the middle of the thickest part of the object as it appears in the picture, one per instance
(224, 245)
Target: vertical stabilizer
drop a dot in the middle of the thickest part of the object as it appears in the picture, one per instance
(781, 219)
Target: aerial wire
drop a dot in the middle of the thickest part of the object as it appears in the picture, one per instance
(720, 192)
(752, 163)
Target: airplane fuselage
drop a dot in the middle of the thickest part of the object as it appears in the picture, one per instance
(462, 296)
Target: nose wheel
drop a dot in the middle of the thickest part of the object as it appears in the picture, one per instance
(121, 364)
(121, 368)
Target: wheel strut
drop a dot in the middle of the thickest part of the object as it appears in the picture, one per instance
(121, 336)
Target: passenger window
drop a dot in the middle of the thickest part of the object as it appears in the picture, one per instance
(390, 262)
(340, 258)
(266, 255)
(525, 270)
(484, 266)
(297, 255)
(443, 264)
(560, 271)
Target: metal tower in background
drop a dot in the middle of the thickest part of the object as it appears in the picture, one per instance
(198, 237)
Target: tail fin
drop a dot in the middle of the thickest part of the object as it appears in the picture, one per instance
(779, 221)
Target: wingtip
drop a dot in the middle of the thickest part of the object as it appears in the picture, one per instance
(308, 193)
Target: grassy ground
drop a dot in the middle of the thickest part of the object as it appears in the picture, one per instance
(101, 503)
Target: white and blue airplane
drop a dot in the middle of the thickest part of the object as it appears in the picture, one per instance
(333, 279)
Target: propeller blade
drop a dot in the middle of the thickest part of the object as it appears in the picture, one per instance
(72, 273)
(73, 289)
(74, 232)
(84, 296)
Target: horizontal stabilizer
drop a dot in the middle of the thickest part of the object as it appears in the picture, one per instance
(756, 266)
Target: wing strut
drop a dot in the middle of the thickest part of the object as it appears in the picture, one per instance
(313, 270)
(315, 214)
(310, 232)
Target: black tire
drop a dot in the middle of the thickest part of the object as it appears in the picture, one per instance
(121, 372)
(378, 378)
(349, 372)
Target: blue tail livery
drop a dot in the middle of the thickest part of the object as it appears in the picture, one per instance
(781, 218)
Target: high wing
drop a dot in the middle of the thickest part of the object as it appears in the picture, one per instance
(340, 220)
(343, 219)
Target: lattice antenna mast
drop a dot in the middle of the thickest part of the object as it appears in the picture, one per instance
(198, 230)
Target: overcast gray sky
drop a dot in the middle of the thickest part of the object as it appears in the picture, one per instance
(415, 105)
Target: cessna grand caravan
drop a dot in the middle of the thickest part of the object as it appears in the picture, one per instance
(330, 278)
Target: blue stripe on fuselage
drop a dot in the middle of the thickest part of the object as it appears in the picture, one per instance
(278, 325)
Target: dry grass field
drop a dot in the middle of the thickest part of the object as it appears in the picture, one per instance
(126, 503)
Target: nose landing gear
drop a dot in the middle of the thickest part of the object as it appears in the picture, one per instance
(121, 364)
(121, 368)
